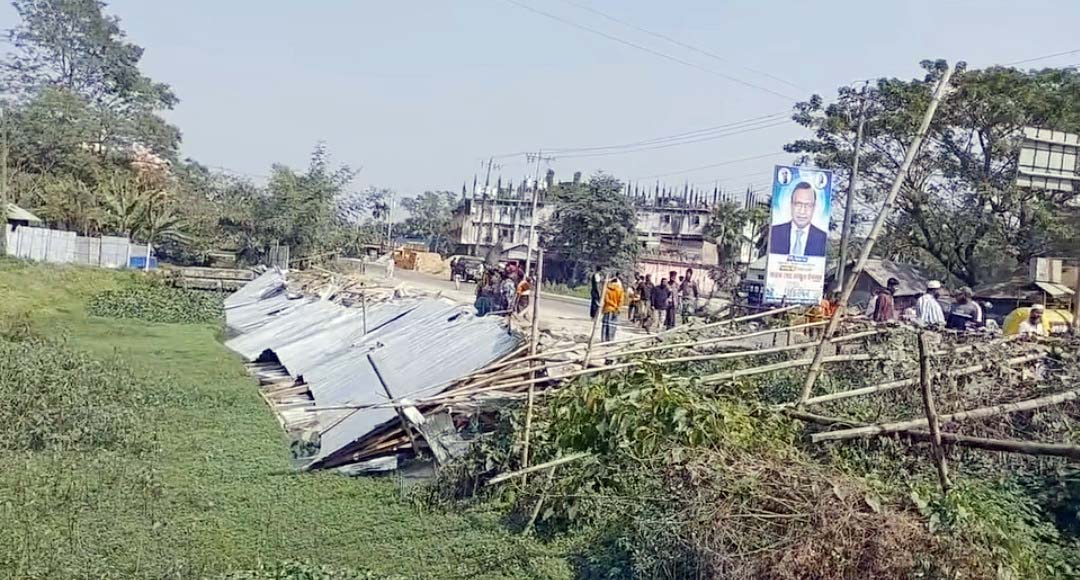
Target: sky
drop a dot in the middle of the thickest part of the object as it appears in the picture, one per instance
(418, 94)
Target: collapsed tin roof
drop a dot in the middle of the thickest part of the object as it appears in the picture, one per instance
(370, 354)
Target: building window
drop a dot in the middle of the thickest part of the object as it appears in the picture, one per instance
(665, 219)
(696, 221)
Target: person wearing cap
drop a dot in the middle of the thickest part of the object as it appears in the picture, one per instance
(884, 306)
(966, 308)
(1033, 326)
(928, 309)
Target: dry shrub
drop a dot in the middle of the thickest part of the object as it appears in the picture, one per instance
(746, 516)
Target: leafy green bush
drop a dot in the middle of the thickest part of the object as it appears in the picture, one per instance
(1004, 524)
(157, 302)
(60, 399)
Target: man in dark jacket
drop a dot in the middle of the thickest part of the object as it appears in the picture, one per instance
(661, 299)
(596, 286)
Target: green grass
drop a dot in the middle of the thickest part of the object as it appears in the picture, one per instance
(215, 492)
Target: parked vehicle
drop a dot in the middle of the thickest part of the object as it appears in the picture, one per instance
(466, 268)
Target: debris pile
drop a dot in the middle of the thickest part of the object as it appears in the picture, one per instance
(341, 373)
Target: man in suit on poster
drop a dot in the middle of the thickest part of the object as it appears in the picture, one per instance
(799, 237)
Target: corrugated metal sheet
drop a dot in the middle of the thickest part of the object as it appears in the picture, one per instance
(419, 345)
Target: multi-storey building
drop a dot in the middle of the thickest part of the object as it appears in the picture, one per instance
(670, 226)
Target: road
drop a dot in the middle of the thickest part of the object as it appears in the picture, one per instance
(556, 312)
(562, 314)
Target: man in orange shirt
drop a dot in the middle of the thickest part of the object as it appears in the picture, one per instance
(613, 299)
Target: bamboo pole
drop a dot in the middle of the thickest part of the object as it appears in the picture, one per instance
(984, 443)
(931, 413)
(400, 413)
(470, 391)
(663, 334)
(538, 467)
(791, 364)
(534, 334)
(979, 413)
(880, 388)
(875, 232)
(539, 502)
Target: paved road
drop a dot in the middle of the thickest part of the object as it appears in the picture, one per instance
(557, 312)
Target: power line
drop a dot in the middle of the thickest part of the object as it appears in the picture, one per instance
(1044, 57)
(678, 143)
(649, 50)
(686, 134)
(712, 165)
(682, 44)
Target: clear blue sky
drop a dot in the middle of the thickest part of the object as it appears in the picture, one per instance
(418, 92)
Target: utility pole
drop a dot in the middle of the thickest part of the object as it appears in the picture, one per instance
(532, 215)
(845, 233)
(483, 204)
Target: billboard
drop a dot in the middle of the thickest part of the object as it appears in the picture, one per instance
(798, 235)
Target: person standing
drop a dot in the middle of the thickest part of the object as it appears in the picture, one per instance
(634, 312)
(674, 282)
(688, 295)
(661, 296)
(508, 290)
(885, 305)
(596, 288)
(966, 309)
(644, 291)
(928, 311)
(1033, 325)
(613, 297)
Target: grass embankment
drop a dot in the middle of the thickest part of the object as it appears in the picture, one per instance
(174, 468)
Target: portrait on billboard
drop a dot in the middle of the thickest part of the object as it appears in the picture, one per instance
(793, 231)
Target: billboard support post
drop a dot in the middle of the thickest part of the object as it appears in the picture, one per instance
(875, 232)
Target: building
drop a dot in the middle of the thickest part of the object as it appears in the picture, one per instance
(1048, 281)
(876, 275)
(671, 227)
(19, 217)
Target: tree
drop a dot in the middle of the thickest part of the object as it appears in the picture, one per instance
(430, 218)
(958, 207)
(301, 209)
(727, 226)
(593, 224)
(70, 47)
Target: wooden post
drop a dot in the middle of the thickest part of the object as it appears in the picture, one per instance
(845, 231)
(400, 413)
(875, 233)
(534, 334)
(931, 413)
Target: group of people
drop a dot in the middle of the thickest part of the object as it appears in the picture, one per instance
(648, 302)
(504, 291)
(964, 314)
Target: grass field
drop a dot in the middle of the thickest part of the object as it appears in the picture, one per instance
(209, 488)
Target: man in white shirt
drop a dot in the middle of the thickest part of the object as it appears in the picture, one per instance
(1033, 325)
(928, 309)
